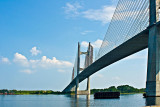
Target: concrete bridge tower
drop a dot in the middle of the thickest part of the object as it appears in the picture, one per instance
(77, 69)
(153, 71)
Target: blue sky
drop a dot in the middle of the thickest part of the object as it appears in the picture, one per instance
(39, 42)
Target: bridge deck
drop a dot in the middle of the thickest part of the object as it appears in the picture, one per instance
(133, 45)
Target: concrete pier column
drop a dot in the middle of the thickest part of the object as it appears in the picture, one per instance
(150, 101)
(153, 76)
(153, 73)
(88, 85)
(89, 62)
(73, 89)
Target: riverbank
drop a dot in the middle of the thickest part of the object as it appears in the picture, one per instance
(123, 89)
(28, 92)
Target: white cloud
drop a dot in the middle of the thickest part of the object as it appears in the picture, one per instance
(72, 9)
(46, 62)
(5, 60)
(84, 44)
(28, 71)
(34, 51)
(43, 63)
(21, 59)
(86, 32)
(95, 44)
(104, 14)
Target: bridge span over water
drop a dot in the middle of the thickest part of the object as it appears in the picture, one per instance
(135, 26)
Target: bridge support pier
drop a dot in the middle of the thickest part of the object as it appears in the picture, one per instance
(153, 73)
(88, 85)
(76, 71)
(84, 92)
(88, 61)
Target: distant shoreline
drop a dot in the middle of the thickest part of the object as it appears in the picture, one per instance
(63, 94)
(123, 89)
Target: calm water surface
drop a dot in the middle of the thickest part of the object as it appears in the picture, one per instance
(131, 100)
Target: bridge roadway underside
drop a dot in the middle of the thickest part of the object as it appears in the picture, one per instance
(133, 45)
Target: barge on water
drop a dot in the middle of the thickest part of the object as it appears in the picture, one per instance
(106, 95)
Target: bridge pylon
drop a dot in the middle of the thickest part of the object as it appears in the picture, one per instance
(153, 70)
(76, 70)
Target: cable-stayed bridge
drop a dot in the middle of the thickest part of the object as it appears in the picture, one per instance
(134, 26)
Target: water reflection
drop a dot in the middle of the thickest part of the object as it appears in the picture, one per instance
(87, 100)
(133, 100)
(76, 101)
(152, 101)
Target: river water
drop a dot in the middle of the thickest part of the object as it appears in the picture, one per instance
(131, 100)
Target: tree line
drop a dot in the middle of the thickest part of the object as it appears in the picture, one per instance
(122, 89)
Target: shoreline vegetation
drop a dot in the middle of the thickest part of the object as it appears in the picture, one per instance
(123, 89)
